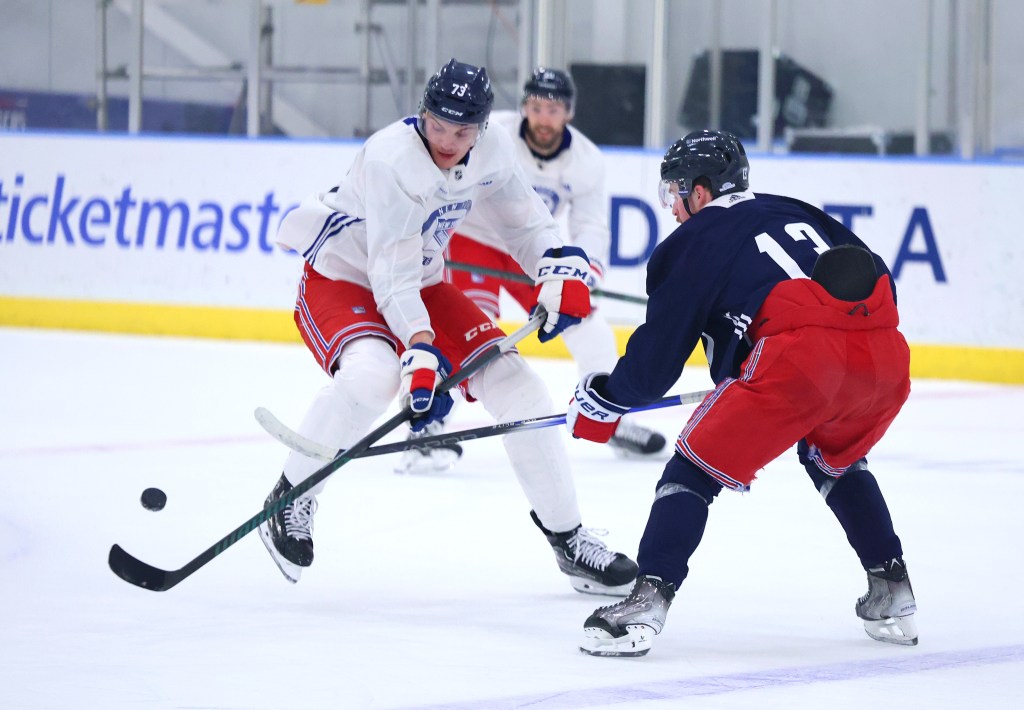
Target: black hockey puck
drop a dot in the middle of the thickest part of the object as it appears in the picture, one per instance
(154, 499)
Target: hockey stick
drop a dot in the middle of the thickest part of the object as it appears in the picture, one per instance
(141, 574)
(303, 445)
(523, 278)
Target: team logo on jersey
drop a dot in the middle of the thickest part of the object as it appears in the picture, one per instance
(458, 173)
(549, 196)
(438, 228)
(359, 310)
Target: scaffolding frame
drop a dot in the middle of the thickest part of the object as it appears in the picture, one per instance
(543, 41)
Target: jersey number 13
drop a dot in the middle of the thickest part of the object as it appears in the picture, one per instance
(799, 231)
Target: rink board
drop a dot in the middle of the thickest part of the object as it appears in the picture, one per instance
(174, 236)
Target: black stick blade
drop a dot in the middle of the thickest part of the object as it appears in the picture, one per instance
(135, 571)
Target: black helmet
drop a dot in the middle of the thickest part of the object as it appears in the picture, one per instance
(459, 93)
(716, 155)
(551, 84)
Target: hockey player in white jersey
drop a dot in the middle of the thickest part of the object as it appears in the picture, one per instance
(566, 169)
(371, 293)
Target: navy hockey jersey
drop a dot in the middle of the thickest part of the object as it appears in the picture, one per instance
(706, 281)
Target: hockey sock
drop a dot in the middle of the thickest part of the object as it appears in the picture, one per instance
(677, 520)
(858, 504)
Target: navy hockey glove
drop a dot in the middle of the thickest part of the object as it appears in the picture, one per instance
(562, 275)
(590, 415)
(423, 368)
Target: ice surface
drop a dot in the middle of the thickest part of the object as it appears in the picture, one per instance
(437, 591)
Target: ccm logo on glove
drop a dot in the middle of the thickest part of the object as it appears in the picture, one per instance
(562, 291)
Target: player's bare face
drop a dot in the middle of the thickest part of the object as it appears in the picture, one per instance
(545, 123)
(448, 142)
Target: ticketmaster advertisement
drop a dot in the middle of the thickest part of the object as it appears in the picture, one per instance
(191, 222)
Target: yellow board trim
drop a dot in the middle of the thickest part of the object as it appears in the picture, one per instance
(946, 362)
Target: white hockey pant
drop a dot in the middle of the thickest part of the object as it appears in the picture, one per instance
(364, 385)
(592, 345)
(509, 390)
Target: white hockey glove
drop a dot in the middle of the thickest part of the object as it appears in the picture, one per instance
(423, 368)
(590, 415)
(562, 275)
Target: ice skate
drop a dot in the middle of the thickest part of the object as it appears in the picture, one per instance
(288, 533)
(634, 441)
(888, 608)
(439, 457)
(629, 627)
(592, 568)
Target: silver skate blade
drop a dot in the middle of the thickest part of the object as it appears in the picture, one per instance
(900, 630)
(291, 571)
(584, 585)
(636, 642)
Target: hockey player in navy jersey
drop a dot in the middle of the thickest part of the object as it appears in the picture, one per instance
(374, 312)
(799, 324)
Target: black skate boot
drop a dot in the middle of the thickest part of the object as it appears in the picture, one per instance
(888, 608)
(634, 441)
(591, 566)
(629, 627)
(287, 534)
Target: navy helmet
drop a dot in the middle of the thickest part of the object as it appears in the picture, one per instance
(459, 93)
(715, 155)
(551, 84)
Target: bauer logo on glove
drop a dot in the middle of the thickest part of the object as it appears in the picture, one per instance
(591, 416)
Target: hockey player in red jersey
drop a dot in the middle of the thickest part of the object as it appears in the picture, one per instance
(374, 312)
(799, 324)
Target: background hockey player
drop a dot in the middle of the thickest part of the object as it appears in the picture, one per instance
(816, 362)
(567, 170)
(374, 312)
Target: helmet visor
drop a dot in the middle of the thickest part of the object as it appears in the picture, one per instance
(669, 190)
(421, 120)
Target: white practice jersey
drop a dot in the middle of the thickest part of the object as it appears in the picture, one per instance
(386, 226)
(573, 178)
